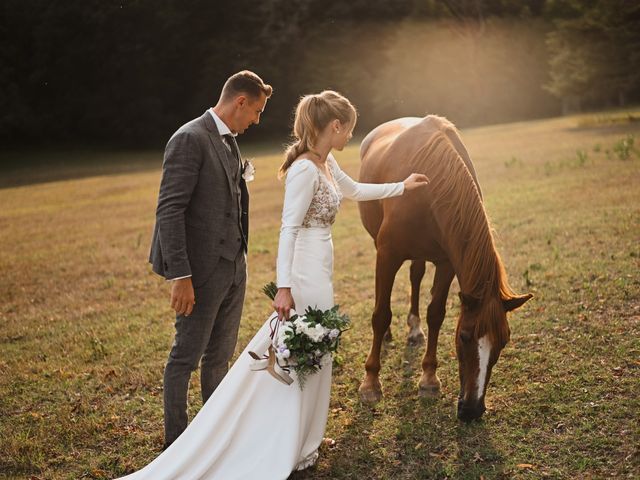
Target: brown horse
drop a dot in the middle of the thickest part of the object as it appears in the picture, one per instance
(444, 223)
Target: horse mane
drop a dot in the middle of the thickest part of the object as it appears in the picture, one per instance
(459, 212)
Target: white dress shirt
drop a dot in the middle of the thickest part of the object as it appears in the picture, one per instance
(222, 127)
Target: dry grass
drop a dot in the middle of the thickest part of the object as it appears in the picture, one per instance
(85, 327)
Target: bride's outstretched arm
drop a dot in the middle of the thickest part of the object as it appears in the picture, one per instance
(372, 191)
(364, 191)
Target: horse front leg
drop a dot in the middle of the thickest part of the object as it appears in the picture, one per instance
(386, 268)
(416, 274)
(429, 384)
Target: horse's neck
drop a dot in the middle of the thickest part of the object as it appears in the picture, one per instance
(469, 242)
(457, 206)
(477, 271)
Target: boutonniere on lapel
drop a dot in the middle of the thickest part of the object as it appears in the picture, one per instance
(248, 171)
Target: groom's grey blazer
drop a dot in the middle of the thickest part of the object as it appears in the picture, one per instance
(202, 207)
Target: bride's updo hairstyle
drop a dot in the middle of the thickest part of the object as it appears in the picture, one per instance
(313, 114)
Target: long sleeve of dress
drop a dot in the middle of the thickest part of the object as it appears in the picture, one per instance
(300, 186)
(363, 191)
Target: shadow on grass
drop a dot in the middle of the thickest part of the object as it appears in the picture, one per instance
(30, 166)
(351, 458)
(601, 129)
(477, 455)
(407, 437)
(437, 444)
(20, 168)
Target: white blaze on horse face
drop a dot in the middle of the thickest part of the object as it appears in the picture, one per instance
(484, 352)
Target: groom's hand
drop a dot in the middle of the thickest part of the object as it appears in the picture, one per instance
(283, 303)
(182, 296)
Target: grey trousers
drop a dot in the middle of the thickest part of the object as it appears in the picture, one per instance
(209, 334)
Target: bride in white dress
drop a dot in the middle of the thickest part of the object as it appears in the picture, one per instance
(252, 426)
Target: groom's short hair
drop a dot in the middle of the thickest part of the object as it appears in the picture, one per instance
(245, 82)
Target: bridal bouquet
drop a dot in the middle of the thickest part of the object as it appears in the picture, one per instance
(302, 342)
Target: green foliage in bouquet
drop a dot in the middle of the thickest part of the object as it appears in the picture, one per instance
(270, 290)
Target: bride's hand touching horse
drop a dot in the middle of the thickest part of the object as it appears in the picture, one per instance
(415, 180)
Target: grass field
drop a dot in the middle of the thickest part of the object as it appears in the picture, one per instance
(85, 327)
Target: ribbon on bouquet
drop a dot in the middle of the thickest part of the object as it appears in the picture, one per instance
(264, 355)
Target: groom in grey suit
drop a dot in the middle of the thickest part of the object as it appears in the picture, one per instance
(200, 241)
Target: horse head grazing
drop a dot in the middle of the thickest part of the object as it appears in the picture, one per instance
(481, 334)
(445, 224)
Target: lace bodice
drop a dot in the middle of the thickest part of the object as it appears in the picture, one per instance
(324, 204)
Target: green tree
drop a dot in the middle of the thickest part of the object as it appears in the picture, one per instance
(594, 53)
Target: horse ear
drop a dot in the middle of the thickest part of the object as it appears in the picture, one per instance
(468, 301)
(515, 302)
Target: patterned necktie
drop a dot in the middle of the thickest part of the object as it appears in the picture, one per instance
(233, 146)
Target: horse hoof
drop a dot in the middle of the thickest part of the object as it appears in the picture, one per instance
(429, 391)
(370, 396)
(416, 339)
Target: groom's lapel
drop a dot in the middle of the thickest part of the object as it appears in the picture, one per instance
(219, 147)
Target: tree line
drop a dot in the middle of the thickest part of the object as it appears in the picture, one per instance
(127, 73)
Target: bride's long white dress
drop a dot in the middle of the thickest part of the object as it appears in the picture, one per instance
(252, 426)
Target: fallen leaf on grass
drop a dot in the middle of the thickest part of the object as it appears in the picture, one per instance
(525, 465)
(328, 442)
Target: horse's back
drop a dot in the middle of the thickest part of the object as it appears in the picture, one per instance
(390, 153)
(382, 153)
(392, 150)
(374, 169)
(376, 146)
(386, 132)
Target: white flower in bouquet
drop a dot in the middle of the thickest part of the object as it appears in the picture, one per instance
(282, 352)
(300, 324)
(315, 333)
(283, 331)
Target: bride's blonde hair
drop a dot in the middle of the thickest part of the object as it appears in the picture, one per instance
(313, 114)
